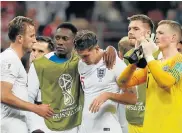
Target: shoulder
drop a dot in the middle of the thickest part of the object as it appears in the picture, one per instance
(81, 65)
(9, 55)
(9, 58)
(177, 62)
(120, 62)
(49, 55)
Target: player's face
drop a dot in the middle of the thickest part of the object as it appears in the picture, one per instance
(179, 47)
(163, 36)
(64, 41)
(29, 37)
(39, 49)
(136, 30)
(88, 56)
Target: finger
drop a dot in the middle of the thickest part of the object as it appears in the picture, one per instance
(50, 113)
(104, 56)
(98, 107)
(107, 61)
(94, 108)
(51, 110)
(111, 60)
(92, 104)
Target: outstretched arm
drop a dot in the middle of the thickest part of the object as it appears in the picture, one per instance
(131, 77)
(172, 76)
(123, 98)
(171, 73)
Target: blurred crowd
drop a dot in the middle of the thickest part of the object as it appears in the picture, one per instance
(107, 18)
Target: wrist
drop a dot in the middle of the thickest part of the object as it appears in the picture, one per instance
(149, 58)
(35, 108)
(108, 95)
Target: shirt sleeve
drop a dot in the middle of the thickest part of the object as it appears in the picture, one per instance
(171, 73)
(9, 70)
(33, 84)
(33, 120)
(119, 67)
(131, 77)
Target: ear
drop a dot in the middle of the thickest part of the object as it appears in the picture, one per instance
(174, 38)
(97, 47)
(148, 34)
(19, 39)
(120, 55)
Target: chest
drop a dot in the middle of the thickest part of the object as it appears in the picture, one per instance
(98, 76)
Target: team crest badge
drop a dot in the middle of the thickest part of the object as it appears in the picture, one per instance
(166, 68)
(101, 73)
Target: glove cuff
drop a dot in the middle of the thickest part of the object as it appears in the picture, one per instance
(149, 58)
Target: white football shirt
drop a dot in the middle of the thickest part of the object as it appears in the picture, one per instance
(96, 79)
(12, 71)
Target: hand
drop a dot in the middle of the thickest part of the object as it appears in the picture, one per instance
(44, 110)
(98, 101)
(109, 57)
(149, 47)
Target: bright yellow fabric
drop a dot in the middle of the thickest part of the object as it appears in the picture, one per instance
(130, 77)
(135, 128)
(163, 112)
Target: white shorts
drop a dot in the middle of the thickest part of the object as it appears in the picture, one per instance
(73, 130)
(13, 125)
(103, 121)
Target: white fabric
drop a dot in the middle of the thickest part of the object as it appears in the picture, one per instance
(12, 71)
(93, 85)
(35, 121)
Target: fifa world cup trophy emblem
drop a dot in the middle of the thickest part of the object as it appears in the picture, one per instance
(65, 82)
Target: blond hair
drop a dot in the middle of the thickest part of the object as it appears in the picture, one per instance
(175, 26)
(18, 26)
(124, 45)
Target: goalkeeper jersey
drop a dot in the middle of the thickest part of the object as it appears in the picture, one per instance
(163, 108)
(163, 112)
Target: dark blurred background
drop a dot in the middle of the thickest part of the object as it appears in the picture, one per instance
(107, 18)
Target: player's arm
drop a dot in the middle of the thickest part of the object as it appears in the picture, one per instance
(9, 74)
(172, 76)
(8, 98)
(165, 79)
(128, 97)
(131, 77)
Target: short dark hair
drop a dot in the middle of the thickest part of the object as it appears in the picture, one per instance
(85, 39)
(144, 19)
(69, 26)
(18, 26)
(51, 45)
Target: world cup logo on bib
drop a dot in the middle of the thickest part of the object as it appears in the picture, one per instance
(101, 73)
(65, 82)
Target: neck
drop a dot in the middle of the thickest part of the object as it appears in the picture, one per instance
(68, 56)
(18, 49)
(169, 52)
(100, 55)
